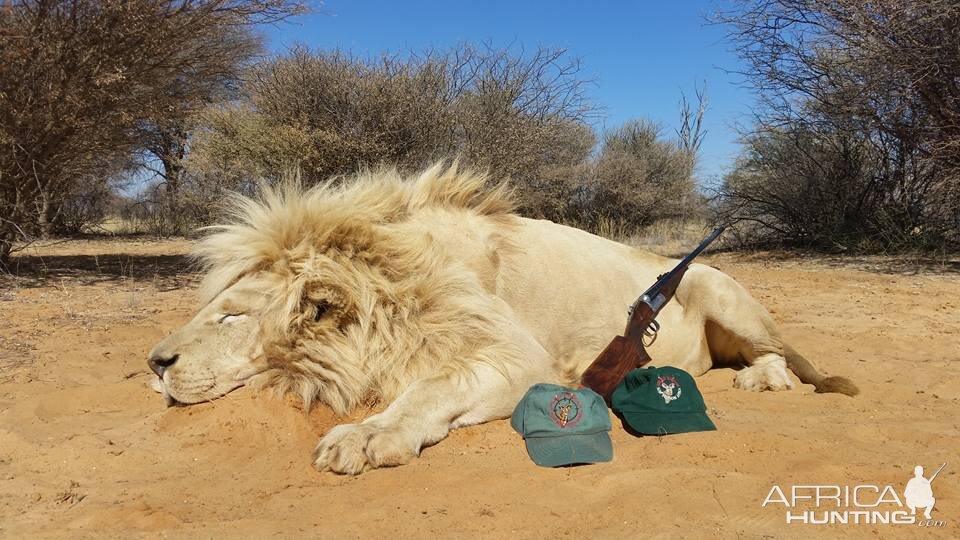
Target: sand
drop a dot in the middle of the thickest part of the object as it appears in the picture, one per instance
(86, 449)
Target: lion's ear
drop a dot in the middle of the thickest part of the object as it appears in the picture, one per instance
(322, 303)
(321, 309)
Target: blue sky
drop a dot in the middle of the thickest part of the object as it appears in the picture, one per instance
(641, 54)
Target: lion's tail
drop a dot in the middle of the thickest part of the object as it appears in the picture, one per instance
(809, 375)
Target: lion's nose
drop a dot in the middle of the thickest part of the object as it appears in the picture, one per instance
(159, 362)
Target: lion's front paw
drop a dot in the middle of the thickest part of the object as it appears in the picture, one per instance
(354, 448)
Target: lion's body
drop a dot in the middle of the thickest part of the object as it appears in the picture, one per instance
(572, 289)
(430, 294)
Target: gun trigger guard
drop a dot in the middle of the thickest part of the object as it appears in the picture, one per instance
(651, 333)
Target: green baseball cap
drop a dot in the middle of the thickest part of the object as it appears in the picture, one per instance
(562, 426)
(661, 400)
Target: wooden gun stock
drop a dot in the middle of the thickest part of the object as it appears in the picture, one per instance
(622, 355)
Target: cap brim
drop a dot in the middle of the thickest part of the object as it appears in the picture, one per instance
(570, 449)
(664, 424)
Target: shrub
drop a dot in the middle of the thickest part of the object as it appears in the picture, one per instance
(832, 189)
(329, 113)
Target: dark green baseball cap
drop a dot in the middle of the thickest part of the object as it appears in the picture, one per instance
(661, 400)
(562, 426)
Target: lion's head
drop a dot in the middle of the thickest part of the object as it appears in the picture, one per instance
(328, 292)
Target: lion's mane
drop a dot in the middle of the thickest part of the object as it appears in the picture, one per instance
(404, 308)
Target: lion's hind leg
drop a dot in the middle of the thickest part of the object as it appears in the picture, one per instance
(740, 332)
(761, 367)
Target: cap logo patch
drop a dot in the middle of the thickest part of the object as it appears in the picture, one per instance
(668, 388)
(566, 410)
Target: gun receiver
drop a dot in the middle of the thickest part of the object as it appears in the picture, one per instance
(627, 352)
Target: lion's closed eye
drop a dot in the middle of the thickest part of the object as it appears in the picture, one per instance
(230, 317)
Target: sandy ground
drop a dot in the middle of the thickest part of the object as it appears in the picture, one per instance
(87, 450)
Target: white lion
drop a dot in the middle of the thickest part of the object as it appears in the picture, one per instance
(430, 294)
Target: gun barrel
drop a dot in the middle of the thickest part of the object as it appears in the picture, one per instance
(651, 295)
(703, 245)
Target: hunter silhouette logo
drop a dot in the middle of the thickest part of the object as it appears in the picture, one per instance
(919, 493)
(668, 388)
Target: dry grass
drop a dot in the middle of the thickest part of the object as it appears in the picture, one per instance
(122, 260)
(669, 237)
(115, 225)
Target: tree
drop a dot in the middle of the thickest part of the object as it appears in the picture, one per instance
(885, 74)
(83, 82)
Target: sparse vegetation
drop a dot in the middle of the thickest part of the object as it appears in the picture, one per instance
(521, 116)
(327, 113)
(857, 141)
(854, 147)
(92, 93)
(86, 87)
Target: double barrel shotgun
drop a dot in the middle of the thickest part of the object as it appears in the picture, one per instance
(627, 352)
